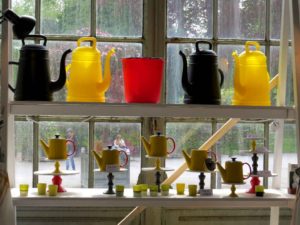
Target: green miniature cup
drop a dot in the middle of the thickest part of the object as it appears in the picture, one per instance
(41, 187)
(165, 189)
(259, 190)
(144, 189)
(137, 191)
(119, 190)
(52, 189)
(192, 189)
(180, 188)
(153, 190)
(24, 190)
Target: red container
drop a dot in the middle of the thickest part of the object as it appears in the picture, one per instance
(142, 79)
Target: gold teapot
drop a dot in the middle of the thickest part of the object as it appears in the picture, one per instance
(111, 157)
(233, 172)
(199, 160)
(57, 148)
(157, 146)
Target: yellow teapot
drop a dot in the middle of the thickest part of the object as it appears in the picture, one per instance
(109, 157)
(251, 77)
(157, 146)
(57, 148)
(85, 82)
(199, 160)
(233, 172)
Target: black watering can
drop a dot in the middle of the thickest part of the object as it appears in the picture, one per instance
(201, 78)
(33, 79)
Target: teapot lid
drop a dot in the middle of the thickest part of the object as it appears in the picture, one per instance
(34, 47)
(203, 52)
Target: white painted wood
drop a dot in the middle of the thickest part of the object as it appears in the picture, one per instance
(274, 215)
(128, 218)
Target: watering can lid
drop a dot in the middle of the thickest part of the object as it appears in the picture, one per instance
(86, 53)
(252, 58)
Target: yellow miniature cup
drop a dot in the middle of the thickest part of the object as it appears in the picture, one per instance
(41, 188)
(24, 190)
(52, 189)
(192, 189)
(180, 188)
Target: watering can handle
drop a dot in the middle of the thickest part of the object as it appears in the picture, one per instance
(90, 39)
(253, 43)
(74, 147)
(174, 145)
(126, 161)
(250, 172)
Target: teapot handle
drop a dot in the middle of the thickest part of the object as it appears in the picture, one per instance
(89, 39)
(126, 160)
(74, 147)
(222, 77)
(35, 36)
(203, 42)
(174, 145)
(250, 172)
(253, 43)
(213, 154)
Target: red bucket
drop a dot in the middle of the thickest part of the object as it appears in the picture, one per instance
(142, 79)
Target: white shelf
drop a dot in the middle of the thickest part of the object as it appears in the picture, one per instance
(150, 110)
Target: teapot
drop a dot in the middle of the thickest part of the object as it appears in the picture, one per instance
(199, 161)
(200, 79)
(233, 172)
(251, 78)
(57, 148)
(157, 146)
(109, 156)
(85, 82)
(33, 79)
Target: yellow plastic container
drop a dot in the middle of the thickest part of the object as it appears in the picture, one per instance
(251, 77)
(86, 82)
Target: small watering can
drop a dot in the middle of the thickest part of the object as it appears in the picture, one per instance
(57, 148)
(201, 77)
(199, 160)
(251, 77)
(33, 79)
(109, 156)
(233, 171)
(157, 146)
(86, 82)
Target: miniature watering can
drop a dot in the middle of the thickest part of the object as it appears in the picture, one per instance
(201, 77)
(86, 82)
(251, 78)
(110, 157)
(199, 161)
(233, 172)
(157, 146)
(57, 148)
(33, 79)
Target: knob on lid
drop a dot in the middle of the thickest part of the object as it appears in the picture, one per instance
(57, 136)
(233, 159)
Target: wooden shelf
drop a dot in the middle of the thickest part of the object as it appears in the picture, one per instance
(150, 110)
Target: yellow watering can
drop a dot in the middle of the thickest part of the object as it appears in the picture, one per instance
(110, 157)
(56, 149)
(86, 82)
(157, 146)
(251, 78)
(199, 160)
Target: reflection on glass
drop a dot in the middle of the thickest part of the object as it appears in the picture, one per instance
(78, 133)
(189, 19)
(66, 17)
(122, 136)
(23, 152)
(119, 18)
(242, 19)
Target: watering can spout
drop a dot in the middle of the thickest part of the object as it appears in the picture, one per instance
(107, 72)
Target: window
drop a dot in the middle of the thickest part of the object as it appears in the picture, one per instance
(129, 27)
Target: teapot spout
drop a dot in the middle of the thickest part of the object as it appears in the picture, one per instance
(45, 147)
(60, 82)
(147, 145)
(104, 85)
(98, 159)
(187, 87)
(187, 158)
(222, 171)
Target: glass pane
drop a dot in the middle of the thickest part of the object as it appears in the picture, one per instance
(276, 8)
(123, 136)
(23, 7)
(23, 152)
(187, 136)
(119, 18)
(240, 19)
(78, 133)
(115, 93)
(68, 17)
(274, 61)
(190, 19)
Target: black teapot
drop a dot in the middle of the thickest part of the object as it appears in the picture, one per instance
(201, 78)
(33, 77)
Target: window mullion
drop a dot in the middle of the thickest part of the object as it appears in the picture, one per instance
(38, 17)
(35, 153)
